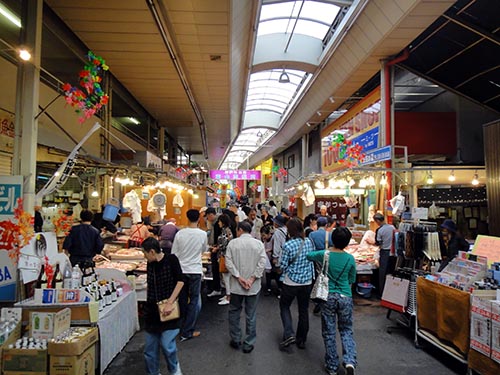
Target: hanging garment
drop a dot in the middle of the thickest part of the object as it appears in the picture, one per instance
(308, 197)
(132, 202)
(398, 204)
(433, 211)
(178, 201)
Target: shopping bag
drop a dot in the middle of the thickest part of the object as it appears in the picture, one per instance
(395, 296)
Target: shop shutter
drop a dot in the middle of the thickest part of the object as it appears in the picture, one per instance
(5, 164)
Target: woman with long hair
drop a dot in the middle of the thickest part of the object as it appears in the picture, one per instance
(297, 279)
(226, 235)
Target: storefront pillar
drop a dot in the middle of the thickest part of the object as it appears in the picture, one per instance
(27, 101)
(492, 161)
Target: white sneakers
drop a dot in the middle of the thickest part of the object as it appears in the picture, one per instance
(349, 369)
(224, 301)
(215, 293)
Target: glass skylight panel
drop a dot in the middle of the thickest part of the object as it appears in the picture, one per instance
(311, 28)
(264, 107)
(314, 19)
(320, 12)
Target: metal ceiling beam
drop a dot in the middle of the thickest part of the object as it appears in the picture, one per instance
(474, 28)
(158, 17)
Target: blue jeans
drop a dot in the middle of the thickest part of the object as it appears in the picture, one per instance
(190, 303)
(288, 294)
(235, 308)
(166, 341)
(340, 307)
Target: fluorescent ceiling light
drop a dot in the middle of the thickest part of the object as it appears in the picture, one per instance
(25, 55)
(4, 11)
(134, 120)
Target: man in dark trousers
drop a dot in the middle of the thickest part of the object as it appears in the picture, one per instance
(83, 241)
(384, 237)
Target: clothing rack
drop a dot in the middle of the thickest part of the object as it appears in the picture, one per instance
(417, 239)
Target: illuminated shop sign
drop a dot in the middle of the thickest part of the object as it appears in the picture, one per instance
(235, 175)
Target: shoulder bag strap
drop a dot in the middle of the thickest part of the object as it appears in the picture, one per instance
(326, 261)
(298, 253)
(327, 245)
(341, 273)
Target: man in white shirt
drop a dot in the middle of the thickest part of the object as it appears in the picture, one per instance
(189, 244)
(245, 261)
(257, 223)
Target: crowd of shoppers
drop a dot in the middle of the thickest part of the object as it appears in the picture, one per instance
(246, 243)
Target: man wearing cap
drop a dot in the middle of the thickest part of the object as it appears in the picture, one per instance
(202, 223)
(167, 234)
(321, 237)
(384, 237)
(286, 214)
(323, 211)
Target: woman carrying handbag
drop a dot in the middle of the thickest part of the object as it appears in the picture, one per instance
(164, 285)
(341, 272)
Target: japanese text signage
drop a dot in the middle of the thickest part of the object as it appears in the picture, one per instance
(10, 192)
(235, 175)
(379, 154)
(360, 125)
(368, 140)
(336, 207)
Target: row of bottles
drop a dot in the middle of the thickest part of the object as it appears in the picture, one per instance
(106, 293)
(6, 328)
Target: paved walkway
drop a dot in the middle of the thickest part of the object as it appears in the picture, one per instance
(378, 351)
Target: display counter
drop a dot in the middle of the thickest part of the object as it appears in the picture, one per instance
(117, 324)
(443, 317)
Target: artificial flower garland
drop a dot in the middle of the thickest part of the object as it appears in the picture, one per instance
(91, 97)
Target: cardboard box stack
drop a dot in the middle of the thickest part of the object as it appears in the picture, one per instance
(74, 353)
(495, 331)
(485, 323)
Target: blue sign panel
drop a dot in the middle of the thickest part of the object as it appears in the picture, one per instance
(368, 140)
(379, 154)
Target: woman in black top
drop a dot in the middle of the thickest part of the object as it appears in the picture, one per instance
(164, 282)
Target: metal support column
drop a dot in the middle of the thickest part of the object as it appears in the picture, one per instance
(106, 192)
(27, 101)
